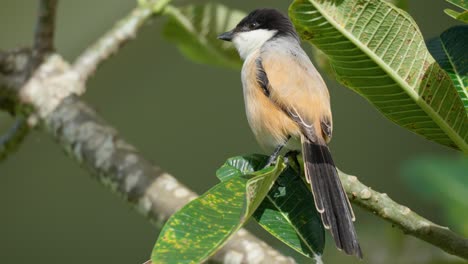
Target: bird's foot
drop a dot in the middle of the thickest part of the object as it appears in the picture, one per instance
(290, 159)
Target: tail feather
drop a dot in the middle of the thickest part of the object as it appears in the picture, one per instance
(330, 199)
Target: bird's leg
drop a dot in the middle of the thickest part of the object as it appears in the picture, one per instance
(276, 152)
(274, 156)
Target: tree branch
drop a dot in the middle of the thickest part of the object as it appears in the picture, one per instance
(13, 74)
(123, 31)
(118, 165)
(402, 217)
(43, 45)
(115, 163)
(52, 94)
(11, 141)
(156, 194)
(44, 33)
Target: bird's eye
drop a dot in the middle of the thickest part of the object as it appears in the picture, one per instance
(253, 25)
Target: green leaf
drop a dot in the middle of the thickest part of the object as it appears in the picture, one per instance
(241, 165)
(321, 59)
(194, 29)
(442, 181)
(288, 212)
(451, 52)
(205, 224)
(462, 16)
(377, 50)
(460, 3)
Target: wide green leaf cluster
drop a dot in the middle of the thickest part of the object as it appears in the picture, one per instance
(195, 232)
(372, 47)
(377, 50)
(277, 198)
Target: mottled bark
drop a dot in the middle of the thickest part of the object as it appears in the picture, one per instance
(401, 216)
(50, 99)
(118, 165)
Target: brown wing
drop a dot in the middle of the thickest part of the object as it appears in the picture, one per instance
(294, 84)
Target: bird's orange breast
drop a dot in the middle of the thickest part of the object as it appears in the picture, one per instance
(270, 124)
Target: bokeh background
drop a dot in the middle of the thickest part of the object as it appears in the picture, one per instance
(188, 119)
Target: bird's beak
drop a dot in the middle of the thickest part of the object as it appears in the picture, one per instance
(227, 36)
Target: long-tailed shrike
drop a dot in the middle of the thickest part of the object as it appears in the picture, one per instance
(288, 105)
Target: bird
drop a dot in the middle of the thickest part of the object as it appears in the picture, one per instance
(287, 105)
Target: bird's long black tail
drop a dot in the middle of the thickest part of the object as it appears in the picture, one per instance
(330, 199)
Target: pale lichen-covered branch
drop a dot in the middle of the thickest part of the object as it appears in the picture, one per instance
(53, 93)
(43, 45)
(119, 166)
(123, 31)
(404, 218)
(50, 98)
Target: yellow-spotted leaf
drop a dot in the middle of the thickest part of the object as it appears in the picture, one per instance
(205, 224)
(377, 50)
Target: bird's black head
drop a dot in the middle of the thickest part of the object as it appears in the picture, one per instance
(265, 19)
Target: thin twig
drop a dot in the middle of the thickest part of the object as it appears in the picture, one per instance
(123, 31)
(43, 45)
(402, 217)
(11, 141)
(44, 32)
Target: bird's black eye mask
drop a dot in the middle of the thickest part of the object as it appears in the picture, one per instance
(248, 24)
(268, 19)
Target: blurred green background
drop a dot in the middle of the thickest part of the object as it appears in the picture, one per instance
(188, 119)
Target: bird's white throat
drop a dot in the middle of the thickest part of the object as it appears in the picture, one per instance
(248, 42)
